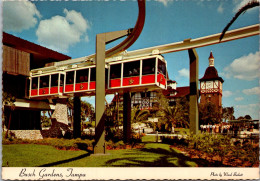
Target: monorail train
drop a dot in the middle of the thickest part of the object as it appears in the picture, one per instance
(137, 74)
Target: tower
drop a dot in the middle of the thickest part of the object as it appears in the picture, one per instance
(211, 85)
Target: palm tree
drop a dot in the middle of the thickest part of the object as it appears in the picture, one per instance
(177, 115)
(8, 100)
(249, 5)
(138, 115)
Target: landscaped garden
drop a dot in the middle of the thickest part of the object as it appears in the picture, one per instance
(195, 151)
(37, 154)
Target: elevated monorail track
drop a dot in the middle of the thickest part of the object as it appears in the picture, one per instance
(186, 44)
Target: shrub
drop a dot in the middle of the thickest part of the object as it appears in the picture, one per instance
(59, 143)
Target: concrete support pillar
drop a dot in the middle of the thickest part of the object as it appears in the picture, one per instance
(127, 117)
(101, 41)
(77, 118)
(194, 73)
(99, 147)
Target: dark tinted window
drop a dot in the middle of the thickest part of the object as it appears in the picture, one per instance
(161, 67)
(148, 66)
(132, 69)
(93, 74)
(82, 76)
(115, 71)
(70, 77)
(61, 79)
(34, 82)
(54, 80)
(44, 81)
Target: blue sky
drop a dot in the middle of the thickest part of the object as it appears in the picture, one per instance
(70, 27)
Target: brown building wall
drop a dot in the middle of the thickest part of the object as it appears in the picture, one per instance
(215, 98)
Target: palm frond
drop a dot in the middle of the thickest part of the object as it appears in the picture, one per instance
(240, 11)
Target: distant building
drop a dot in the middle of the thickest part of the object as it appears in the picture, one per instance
(211, 85)
(148, 100)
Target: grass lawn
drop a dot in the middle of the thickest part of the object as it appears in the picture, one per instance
(152, 155)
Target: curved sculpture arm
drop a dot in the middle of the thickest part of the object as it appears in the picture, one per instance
(134, 33)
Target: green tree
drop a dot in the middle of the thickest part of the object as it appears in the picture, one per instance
(8, 100)
(87, 111)
(138, 115)
(248, 117)
(228, 113)
(177, 115)
(45, 120)
(208, 114)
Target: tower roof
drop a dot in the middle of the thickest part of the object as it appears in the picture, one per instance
(211, 55)
(211, 72)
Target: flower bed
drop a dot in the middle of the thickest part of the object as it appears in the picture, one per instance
(217, 150)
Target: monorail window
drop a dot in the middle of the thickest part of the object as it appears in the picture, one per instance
(70, 77)
(35, 83)
(161, 67)
(82, 76)
(93, 74)
(115, 71)
(54, 80)
(148, 66)
(44, 81)
(61, 79)
(132, 69)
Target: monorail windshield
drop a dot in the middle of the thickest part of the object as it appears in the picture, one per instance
(161, 67)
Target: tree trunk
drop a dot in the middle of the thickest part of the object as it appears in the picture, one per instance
(9, 123)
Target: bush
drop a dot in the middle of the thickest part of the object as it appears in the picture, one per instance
(220, 146)
(59, 143)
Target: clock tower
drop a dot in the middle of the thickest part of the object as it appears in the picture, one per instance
(211, 85)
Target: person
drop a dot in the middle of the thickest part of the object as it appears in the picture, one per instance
(214, 128)
(217, 128)
(210, 128)
(204, 128)
(172, 129)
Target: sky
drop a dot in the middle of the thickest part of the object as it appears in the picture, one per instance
(70, 27)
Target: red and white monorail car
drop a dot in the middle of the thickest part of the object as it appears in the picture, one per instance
(142, 72)
(135, 74)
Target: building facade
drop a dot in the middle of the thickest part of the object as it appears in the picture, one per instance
(19, 57)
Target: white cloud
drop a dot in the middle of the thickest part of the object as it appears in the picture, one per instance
(165, 2)
(59, 33)
(244, 68)
(220, 8)
(239, 4)
(227, 93)
(253, 91)
(19, 15)
(184, 73)
(239, 99)
(250, 109)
